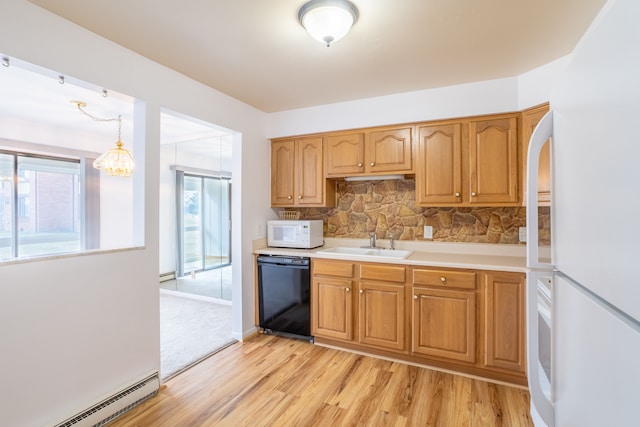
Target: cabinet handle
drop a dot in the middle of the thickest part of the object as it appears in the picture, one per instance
(359, 165)
(289, 197)
(373, 163)
(361, 291)
(457, 194)
(300, 197)
(347, 289)
(473, 194)
(415, 297)
(443, 279)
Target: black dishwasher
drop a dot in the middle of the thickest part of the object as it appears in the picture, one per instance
(284, 295)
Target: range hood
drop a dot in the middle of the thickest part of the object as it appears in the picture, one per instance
(372, 177)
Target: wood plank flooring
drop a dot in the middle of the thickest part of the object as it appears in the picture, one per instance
(275, 381)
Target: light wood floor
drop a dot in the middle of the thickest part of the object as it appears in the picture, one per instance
(275, 381)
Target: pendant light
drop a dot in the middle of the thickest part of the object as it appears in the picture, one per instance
(117, 161)
(328, 20)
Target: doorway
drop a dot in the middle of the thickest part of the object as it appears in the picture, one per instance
(195, 241)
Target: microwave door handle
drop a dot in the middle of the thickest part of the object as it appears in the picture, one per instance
(542, 132)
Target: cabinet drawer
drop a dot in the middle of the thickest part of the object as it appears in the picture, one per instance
(444, 278)
(332, 268)
(385, 273)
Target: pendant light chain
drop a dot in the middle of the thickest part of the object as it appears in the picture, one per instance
(118, 119)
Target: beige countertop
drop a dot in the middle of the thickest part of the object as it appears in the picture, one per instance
(477, 256)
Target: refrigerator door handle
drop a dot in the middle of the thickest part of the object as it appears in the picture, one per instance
(542, 132)
(543, 405)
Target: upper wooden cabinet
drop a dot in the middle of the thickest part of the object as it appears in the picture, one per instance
(530, 119)
(371, 152)
(297, 177)
(493, 160)
(439, 177)
(468, 162)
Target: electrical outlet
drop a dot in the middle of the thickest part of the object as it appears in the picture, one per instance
(522, 234)
(428, 232)
(260, 230)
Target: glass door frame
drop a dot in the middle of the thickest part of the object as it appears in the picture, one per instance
(180, 222)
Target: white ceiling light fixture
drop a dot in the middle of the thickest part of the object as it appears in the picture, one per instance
(328, 20)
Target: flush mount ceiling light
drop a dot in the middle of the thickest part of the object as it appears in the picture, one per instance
(328, 20)
(117, 161)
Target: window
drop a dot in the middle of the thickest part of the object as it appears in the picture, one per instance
(41, 209)
(52, 200)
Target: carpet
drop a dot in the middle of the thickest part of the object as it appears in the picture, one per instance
(190, 330)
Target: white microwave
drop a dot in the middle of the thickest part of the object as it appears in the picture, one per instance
(299, 234)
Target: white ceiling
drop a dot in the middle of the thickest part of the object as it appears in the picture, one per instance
(257, 52)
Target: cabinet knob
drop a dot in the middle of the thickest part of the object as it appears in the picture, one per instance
(361, 291)
(300, 197)
(457, 194)
(373, 163)
(473, 194)
(347, 289)
(443, 279)
(415, 297)
(359, 165)
(289, 197)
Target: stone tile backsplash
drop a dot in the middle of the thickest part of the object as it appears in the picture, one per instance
(389, 208)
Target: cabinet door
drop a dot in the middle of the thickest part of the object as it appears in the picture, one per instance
(493, 161)
(282, 172)
(530, 120)
(381, 315)
(332, 308)
(444, 323)
(345, 154)
(309, 176)
(504, 317)
(439, 176)
(390, 150)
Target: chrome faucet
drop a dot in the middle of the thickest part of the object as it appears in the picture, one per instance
(372, 241)
(392, 242)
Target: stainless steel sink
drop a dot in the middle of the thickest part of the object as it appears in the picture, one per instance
(367, 252)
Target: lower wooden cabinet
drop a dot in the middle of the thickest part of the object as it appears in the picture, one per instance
(381, 315)
(504, 321)
(378, 312)
(443, 324)
(467, 320)
(332, 312)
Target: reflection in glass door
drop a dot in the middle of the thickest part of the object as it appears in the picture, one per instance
(205, 214)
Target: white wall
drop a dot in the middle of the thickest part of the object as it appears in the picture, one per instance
(74, 329)
(487, 97)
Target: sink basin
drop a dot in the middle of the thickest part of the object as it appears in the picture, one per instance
(367, 252)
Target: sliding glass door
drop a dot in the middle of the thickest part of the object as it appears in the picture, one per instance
(204, 205)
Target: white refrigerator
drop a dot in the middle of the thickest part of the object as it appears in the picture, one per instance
(583, 327)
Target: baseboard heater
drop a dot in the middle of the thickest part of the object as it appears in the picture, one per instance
(164, 277)
(116, 405)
